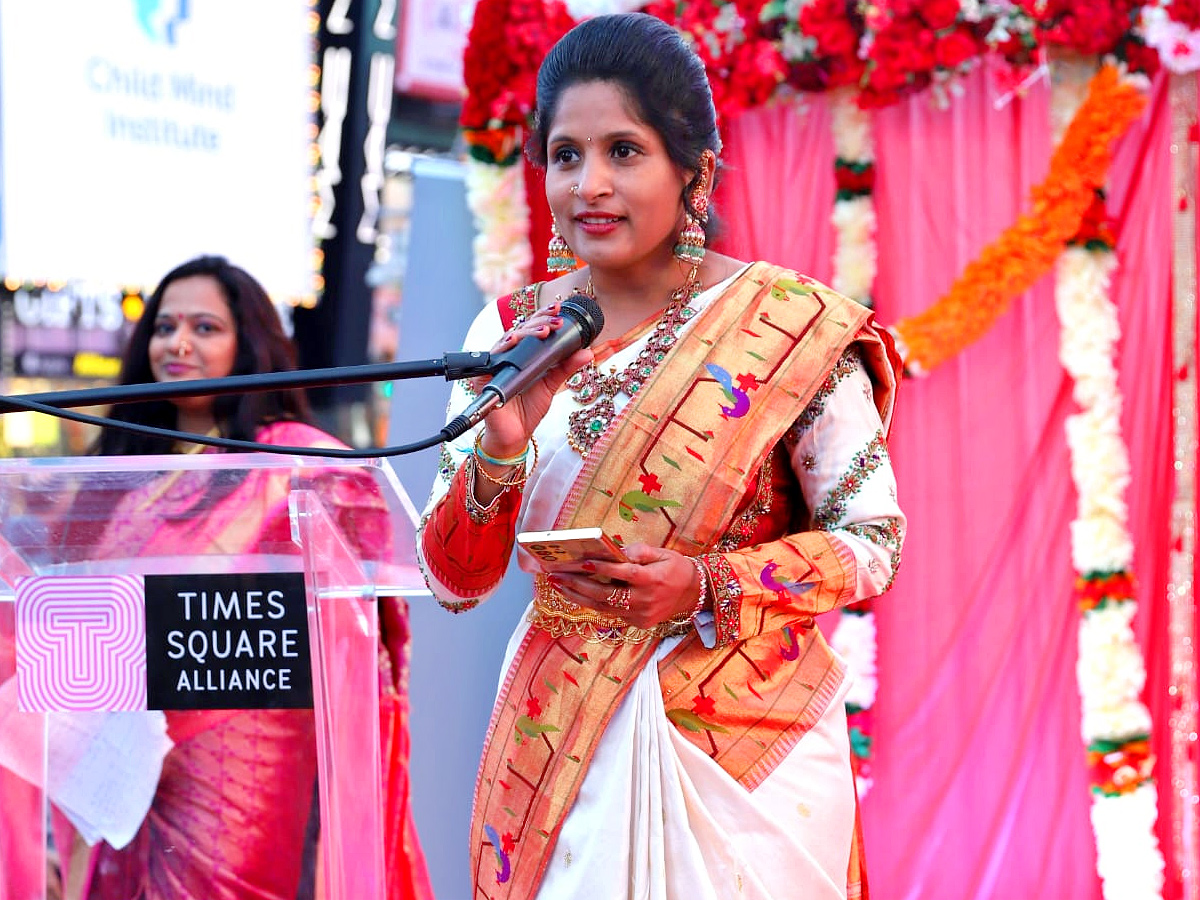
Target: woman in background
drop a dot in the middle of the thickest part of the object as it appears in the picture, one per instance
(230, 819)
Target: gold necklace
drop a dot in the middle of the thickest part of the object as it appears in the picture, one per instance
(595, 392)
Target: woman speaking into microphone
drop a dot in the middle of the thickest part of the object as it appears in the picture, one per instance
(670, 725)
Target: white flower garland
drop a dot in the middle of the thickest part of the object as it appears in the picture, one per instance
(854, 641)
(854, 260)
(496, 198)
(1127, 855)
(1110, 670)
(855, 255)
(854, 266)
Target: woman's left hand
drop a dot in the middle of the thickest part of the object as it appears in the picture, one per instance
(656, 584)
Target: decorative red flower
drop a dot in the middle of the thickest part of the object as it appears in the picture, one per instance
(505, 46)
(853, 179)
(1096, 227)
(533, 707)
(703, 706)
(939, 14)
(1137, 56)
(1186, 12)
(957, 48)
(1120, 769)
(819, 48)
(755, 71)
(1086, 27)
(1094, 589)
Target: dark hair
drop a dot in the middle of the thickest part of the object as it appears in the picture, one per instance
(649, 61)
(262, 346)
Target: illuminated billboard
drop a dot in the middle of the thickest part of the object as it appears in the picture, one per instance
(135, 134)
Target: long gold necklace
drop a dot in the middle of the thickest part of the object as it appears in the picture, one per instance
(595, 392)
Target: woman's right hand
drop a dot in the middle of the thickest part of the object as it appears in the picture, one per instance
(508, 428)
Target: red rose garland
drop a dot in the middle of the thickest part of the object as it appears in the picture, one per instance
(756, 52)
(505, 46)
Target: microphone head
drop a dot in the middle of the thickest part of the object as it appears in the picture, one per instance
(585, 312)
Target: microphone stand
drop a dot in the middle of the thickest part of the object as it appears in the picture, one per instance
(452, 366)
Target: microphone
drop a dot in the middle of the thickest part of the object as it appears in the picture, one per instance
(530, 359)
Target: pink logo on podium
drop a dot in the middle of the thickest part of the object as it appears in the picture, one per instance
(81, 643)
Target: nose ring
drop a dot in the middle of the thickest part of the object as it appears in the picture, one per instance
(575, 190)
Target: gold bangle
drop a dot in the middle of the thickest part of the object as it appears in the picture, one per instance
(501, 483)
(684, 620)
(504, 484)
(533, 443)
(476, 511)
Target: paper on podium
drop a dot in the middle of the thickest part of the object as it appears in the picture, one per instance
(102, 768)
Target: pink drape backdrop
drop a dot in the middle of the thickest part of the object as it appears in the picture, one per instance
(980, 783)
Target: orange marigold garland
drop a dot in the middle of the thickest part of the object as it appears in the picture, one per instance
(1027, 250)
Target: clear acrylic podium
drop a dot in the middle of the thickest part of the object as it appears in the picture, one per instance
(342, 532)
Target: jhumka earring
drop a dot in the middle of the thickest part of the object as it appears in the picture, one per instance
(690, 246)
(559, 256)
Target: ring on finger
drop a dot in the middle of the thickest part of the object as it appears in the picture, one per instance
(619, 598)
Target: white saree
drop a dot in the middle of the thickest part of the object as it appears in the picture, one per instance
(656, 818)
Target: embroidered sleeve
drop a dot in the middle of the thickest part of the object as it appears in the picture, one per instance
(850, 549)
(463, 547)
(846, 475)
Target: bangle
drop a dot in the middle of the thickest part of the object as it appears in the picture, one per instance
(476, 511)
(533, 444)
(496, 460)
(683, 621)
(702, 600)
(517, 481)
